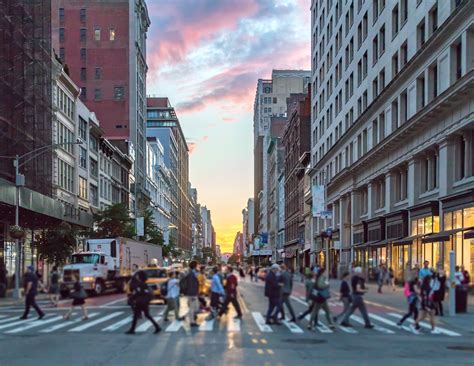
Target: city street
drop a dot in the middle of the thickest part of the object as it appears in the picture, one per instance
(101, 339)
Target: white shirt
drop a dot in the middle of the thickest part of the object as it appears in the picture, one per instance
(173, 289)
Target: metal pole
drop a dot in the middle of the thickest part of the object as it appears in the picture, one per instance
(452, 288)
(16, 292)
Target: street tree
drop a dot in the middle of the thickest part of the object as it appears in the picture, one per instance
(56, 245)
(113, 221)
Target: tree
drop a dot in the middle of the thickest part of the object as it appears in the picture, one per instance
(234, 259)
(114, 221)
(152, 233)
(56, 245)
(170, 250)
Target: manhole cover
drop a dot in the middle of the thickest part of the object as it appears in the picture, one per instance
(305, 341)
(462, 348)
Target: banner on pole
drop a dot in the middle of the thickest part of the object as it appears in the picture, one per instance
(318, 200)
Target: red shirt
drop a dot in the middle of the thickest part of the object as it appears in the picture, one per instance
(231, 284)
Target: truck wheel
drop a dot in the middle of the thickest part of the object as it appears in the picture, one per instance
(99, 287)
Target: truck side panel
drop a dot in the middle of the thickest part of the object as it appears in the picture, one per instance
(138, 253)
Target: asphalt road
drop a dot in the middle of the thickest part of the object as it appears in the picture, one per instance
(101, 340)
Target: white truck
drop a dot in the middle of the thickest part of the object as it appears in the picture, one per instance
(109, 263)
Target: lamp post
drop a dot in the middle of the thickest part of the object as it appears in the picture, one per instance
(19, 182)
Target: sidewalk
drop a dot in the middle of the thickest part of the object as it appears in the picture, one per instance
(396, 301)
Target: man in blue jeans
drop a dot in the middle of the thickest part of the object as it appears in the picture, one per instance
(273, 292)
(31, 289)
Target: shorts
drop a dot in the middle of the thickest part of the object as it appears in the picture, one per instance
(78, 302)
(53, 290)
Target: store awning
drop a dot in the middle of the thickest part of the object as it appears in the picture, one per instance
(408, 239)
(469, 235)
(382, 243)
(442, 236)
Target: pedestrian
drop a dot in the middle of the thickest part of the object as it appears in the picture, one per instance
(391, 277)
(286, 280)
(320, 296)
(242, 274)
(3, 279)
(217, 291)
(250, 272)
(427, 306)
(54, 286)
(459, 278)
(202, 288)
(302, 273)
(172, 297)
(78, 299)
(272, 291)
(40, 281)
(381, 276)
(31, 290)
(189, 286)
(140, 302)
(411, 295)
(345, 295)
(308, 284)
(358, 291)
(231, 294)
(425, 271)
(466, 275)
(256, 273)
(438, 285)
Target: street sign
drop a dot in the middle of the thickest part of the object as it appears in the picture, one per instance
(318, 200)
(326, 215)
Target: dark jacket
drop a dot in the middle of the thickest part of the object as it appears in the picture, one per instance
(141, 295)
(272, 289)
(192, 284)
(286, 279)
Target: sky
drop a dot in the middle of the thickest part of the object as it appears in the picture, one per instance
(206, 56)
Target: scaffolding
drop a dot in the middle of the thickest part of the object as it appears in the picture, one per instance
(25, 89)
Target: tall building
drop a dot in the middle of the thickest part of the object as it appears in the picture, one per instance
(270, 101)
(197, 237)
(392, 132)
(103, 44)
(296, 140)
(163, 124)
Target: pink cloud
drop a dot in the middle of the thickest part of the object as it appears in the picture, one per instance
(192, 147)
(228, 119)
(205, 138)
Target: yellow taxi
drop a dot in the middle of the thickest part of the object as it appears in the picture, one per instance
(156, 277)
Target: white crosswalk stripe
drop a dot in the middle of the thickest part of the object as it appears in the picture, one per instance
(95, 322)
(427, 326)
(18, 322)
(389, 322)
(321, 326)
(260, 321)
(66, 324)
(10, 319)
(207, 326)
(347, 329)
(119, 324)
(294, 328)
(174, 326)
(378, 328)
(147, 325)
(233, 325)
(34, 324)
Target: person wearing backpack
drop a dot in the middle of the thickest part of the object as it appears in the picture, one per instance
(439, 288)
(345, 295)
(320, 296)
(54, 286)
(172, 297)
(427, 306)
(412, 298)
(189, 286)
(140, 302)
(358, 291)
(231, 294)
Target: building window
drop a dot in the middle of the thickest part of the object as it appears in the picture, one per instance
(420, 92)
(82, 157)
(61, 15)
(84, 92)
(82, 188)
(65, 103)
(94, 195)
(97, 74)
(381, 80)
(83, 34)
(65, 176)
(403, 107)
(403, 54)
(364, 201)
(458, 60)
(83, 129)
(94, 169)
(421, 34)
(83, 73)
(83, 54)
(112, 34)
(394, 64)
(382, 41)
(64, 137)
(404, 11)
(379, 194)
(395, 25)
(97, 94)
(394, 115)
(274, 100)
(401, 184)
(62, 54)
(82, 15)
(97, 34)
(433, 81)
(433, 19)
(61, 35)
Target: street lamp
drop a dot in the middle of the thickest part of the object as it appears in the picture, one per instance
(19, 182)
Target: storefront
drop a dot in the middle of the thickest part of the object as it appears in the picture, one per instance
(359, 246)
(396, 227)
(291, 256)
(376, 247)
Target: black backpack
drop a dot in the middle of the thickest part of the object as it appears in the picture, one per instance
(164, 289)
(183, 283)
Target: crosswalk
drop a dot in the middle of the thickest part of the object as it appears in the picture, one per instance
(107, 321)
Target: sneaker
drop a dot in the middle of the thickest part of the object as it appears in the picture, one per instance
(346, 324)
(292, 320)
(130, 332)
(399, 325)
(369, 326)
(41, 316)
(310, 327)
(268, 322)
(23, 318)
(194, 325)
(435, 331)
(157, 330)
(332, 326)
(238, 317)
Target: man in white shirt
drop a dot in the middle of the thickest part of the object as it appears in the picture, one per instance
(172, 297)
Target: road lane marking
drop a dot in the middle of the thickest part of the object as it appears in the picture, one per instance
(174, 326)
(95, 322)
(3, 326)
(113, 302)
(389, 322)
(34, 324)
(321, 326)
(359, 320)
(292, 327)
(207, 326)
(347, 329)
(299, 300)
(118, 324)
(147, 325)
(233, 325)
(260, 321)
(66, 324)
(427, 326)
(9, 319)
